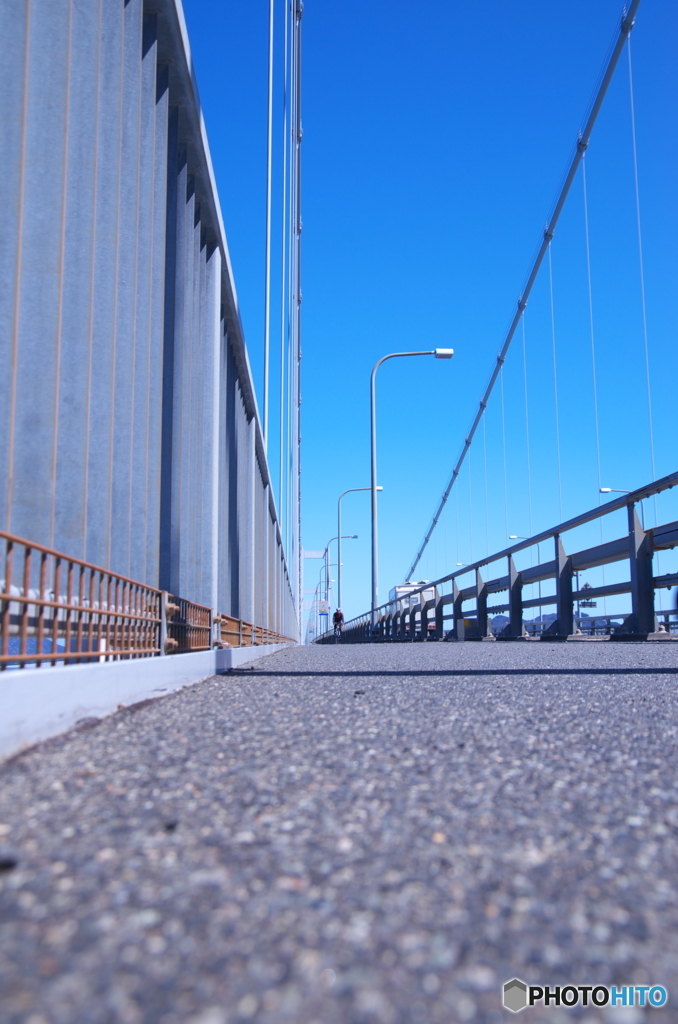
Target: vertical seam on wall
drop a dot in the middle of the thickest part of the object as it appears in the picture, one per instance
(135, 300)
(216, 434)
(92, 279)
(17, 281)
(109, 531)
(151, 295)
(199, 341)
(203, 411)
(188, 381)
(197, 380)
(62, 260)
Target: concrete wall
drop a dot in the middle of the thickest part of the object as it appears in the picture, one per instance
(129, 434)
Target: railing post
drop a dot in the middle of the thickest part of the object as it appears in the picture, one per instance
(642, 584)
(456, 609)
(439, 611)
(481, 605)
(564, 608)
(515, 590)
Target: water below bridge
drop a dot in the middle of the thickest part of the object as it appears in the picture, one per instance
(351, 835)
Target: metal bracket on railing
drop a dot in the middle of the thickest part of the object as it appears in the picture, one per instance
(168, 609)
(163, 621)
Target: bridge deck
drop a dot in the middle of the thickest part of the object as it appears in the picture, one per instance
(360, 834)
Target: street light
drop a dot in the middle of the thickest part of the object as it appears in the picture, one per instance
(326, 566)
(439, 353)
(347, 536)
(339, 537)
(617, 490)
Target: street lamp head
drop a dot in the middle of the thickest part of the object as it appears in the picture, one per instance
(379, 488)
(605, 490)
(443, 353)
(354, 536)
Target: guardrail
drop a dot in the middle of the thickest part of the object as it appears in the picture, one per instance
(57, 610)
(395, 621)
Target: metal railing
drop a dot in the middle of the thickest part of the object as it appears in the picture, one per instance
(238, 633)
(58, 610)
(432, 619)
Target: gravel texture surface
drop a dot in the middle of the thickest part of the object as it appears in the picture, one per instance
(352, 835)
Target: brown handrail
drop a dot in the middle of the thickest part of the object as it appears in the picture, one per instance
(86, 613)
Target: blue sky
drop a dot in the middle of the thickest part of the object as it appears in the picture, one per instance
(434, 141)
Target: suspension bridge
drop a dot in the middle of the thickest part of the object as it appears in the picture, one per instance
(461, 799)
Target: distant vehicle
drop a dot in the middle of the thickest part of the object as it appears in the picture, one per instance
(401, 598)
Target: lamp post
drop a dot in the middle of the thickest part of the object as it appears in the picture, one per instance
(339, 537)
(315, 610)
(617, 490)
(439, 353)
(326, 566)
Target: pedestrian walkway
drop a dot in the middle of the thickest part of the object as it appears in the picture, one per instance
(351, 835)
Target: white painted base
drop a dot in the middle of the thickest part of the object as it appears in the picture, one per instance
(42, 702)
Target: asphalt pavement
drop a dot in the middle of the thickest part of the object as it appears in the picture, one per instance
(352, 835)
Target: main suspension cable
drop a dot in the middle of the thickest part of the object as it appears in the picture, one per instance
(625, 28)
